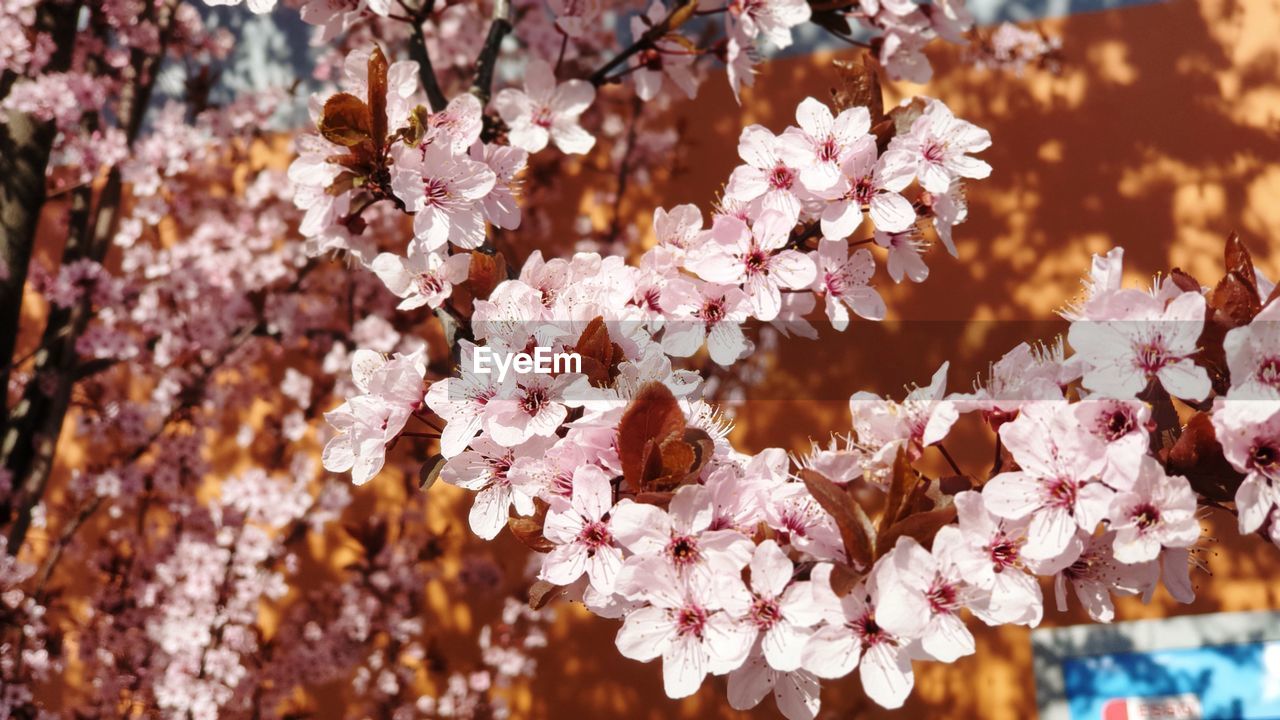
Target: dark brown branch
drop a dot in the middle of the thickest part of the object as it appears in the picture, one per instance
(674, 19)
(499, 27)
(418, 51)
(624, 169)
(25, 144)
(30, 437)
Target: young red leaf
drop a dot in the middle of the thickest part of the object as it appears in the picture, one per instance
(652, 416)
(345, 120)
(921, 526)
(855, 526)
(528, 530)
(541, 593)
(1197, 455)
(901, 484)
(378, 97)
(860, 86)
(485, 272)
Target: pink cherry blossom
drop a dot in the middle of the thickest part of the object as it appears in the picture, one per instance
(1157, 511)
(546, 110)
(772, 19)
(865, 181)
(461, 402)
(678, 227)
(756, 259)
(988, 552)
(424, 278)
(769, 175)
(707, 313)
(933, 581)
(923, 418)
(1058, 486)
(444, 191)
(681, 538)
(391, 391)
(575, 17)
(855, 632)
(823, 143)
(798, 518)
(582, 535)
(533, 407)
(796, 693)
(684, 626)
(905, 251)
(1250, 435)
(664, 59)
(843, 280)
(1095, 575)
(775, 609)
(937, 147)
(1149, 341)
(500, 206)
(485, 469)
(1253, 355)
(1125, 427)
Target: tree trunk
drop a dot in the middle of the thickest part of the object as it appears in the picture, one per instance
(24, 155)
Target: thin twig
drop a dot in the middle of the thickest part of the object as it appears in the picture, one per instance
(950, 460)
(624, 169)
(674, 19)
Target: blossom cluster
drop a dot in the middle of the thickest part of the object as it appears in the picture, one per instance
(763, 567)
(198, 330)
(752, 566)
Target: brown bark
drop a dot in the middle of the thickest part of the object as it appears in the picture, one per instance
(25, 143)
(28, 446)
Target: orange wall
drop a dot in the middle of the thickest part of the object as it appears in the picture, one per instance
(1161, 134)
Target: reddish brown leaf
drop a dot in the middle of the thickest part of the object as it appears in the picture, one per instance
(430, 471)
(1198, 455)
(855, 527)
(1184, 281)
(541, 593)
(1239, 261)
(661, 499)
(485, 272)
(652, 416)
(1234, 301)
(860, 86)
(599, 361)
(921, 526)
(703, 446)
(844, 579)
(900, 486)
(378, 96)
(678, 457)
(955, 484)
(528, 530)
(345, 120)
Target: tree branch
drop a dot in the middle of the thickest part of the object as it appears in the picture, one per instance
(674, 19)
(31, 436)
(426, 73)
(25, 144)
(488, 58)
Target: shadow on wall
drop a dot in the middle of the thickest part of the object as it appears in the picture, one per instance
(1162, 134)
